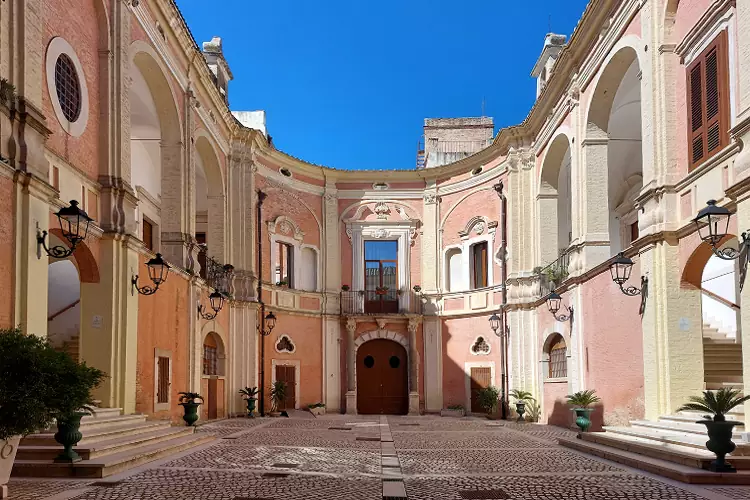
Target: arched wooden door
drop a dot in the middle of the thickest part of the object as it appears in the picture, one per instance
(382, 380)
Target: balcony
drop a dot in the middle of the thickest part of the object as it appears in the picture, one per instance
(371, 302)
(554, 274)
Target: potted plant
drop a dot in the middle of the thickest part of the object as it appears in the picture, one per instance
(581, 401)
(190, 401)
(534, 411)
(317, 408)
(521, 397)
(345, 288)
(250, 395)
(488, 399)
(453, 411)
(278, 396)
(381, 290)
(282, 283)
(417, 289)
(718, 404)
(35, 381)
(556, 274)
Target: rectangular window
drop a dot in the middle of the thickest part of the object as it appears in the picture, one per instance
(634, 231)
(162, 390)
(148, 235)
(285, 264)
(479, 264)
(708, 101)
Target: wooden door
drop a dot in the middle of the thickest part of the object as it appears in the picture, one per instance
(382, 378)
(287, 374)
(481, 377)
(213, 394)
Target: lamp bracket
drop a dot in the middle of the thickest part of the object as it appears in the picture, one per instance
(144, 290)
(57, 252)
(565, 317)
(206, 315)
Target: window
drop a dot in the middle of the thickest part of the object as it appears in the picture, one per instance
(284, 264)
(634, 231)
(455, 275)
(708, 101)
(210, 357)
(148, 235)
(162, 389)
(558, 359)
(479, 264)
(68, 88)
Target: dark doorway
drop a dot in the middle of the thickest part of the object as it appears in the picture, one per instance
(381, 277)
(382, 380)
(287, 374)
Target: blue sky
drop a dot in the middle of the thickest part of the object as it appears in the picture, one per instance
(348, 84)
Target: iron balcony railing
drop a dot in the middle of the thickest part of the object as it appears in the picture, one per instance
(553, 275)
(380, 302)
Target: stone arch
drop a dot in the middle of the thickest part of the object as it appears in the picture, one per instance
(553, 339)
(692, 273)
(382, 334)
(82, 258)
(212, 339)
(210, 196)
(555, 198)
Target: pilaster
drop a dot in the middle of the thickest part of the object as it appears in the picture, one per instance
(351, 362)
(430, 242)
(433, 363)
(594, 195)
(413, 367)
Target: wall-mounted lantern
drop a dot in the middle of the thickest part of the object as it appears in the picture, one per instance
(157, 272)
(74, 224)
(554, 302)
(620, 269)
(216, 299)
(269, 324)
(713, 226)
(219, 277)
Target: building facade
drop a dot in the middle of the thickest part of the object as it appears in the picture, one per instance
(382, 282)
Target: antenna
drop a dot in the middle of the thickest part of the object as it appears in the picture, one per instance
(483, 107)
(549, 25)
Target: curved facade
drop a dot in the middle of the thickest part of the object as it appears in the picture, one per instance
(640, 118)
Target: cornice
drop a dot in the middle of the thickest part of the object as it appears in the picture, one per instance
(708, 20)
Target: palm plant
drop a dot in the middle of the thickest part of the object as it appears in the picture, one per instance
(520, 395)
(488, 398)
(249, 392)
(583, 399)
(717, 403)
(278, 394)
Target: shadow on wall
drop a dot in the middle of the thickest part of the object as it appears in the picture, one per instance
(563, 416)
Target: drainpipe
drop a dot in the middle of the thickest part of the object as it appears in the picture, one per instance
(504, 337)
(262, 324)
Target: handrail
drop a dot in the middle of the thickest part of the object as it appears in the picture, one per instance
(718, 298)
(58, 313)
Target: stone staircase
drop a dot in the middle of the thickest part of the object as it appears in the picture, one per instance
(111, 443)
(722, 361)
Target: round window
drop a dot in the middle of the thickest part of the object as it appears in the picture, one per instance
(394, 362)
(369, 362)
(285, 172)
(68, 88)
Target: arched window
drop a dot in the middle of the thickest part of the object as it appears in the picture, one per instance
(213, 355)
(558, 357)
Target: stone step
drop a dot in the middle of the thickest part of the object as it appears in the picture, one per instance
(692, 418)
(89, 451)
(675, 427)
(667, 468)
(100, 413)
(109, 464)
(725, 363)
(720, 344)
(723, 372)
(656, 436)
(99, 422)
(99, 434)
(728, 357)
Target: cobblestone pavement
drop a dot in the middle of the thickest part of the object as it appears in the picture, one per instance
(343, 457)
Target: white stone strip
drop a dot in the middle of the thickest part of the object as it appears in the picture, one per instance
(393, 479)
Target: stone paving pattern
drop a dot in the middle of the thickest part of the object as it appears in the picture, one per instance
(437, 458)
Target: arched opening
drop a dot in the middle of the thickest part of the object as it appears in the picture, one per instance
(555, 357)
(710, 285)
(382, 378)
(309, 270)
(613, 153)
(213, 382)
(157, 155)
(64, 306)
(555, 200)
(455, 275)
(209, 203)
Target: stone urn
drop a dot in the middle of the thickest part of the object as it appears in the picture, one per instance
(191, 412)
(720, 443)
(68, 434)
(583, 418)
(8, 449)
(520, 409)
(250, 407)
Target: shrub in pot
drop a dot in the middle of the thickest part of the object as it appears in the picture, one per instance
(581, 401)
(250, 395)
(521, 397)
(488, 399)
(190, 401)
(278, 396)
(317, 408)
(717, 404)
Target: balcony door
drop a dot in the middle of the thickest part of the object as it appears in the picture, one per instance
(381, 277)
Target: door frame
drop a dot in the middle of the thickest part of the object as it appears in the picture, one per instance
(467, 378)
(296, 364)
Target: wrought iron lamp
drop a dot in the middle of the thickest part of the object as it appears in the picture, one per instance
(269, 324)
(554, 301)
(219, 277)
(620, 269)
(157, 272)
(713, 226)
(217, 302)
(74, 224)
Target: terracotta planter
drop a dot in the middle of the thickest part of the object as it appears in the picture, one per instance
(8, 451)
(720, 443)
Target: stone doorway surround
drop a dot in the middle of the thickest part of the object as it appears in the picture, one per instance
(409, 344)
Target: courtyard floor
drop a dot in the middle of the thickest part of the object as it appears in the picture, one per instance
(352, 458)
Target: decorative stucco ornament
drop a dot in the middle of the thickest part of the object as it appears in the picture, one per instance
(380, 234)
(382, 210)
(479, 227)
(285, 344)
(480, 346)
(285, 227)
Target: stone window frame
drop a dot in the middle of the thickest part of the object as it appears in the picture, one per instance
(468, 365)
(162, 353)
(486, 340)
(295, 238)
(57, 47)
(548, 344)
(278, 339)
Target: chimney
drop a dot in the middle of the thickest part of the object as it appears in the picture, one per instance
(542, 71)
(214, 56)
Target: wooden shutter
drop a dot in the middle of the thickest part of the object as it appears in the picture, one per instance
(480, 265)
(708, 102)
(148, 234)
(481, 377)
(162, 391)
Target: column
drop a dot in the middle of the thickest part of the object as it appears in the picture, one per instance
(413, 367)
(431, 258)
(595, 230)
(433, 364)
(331, 269)
(351, 366)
